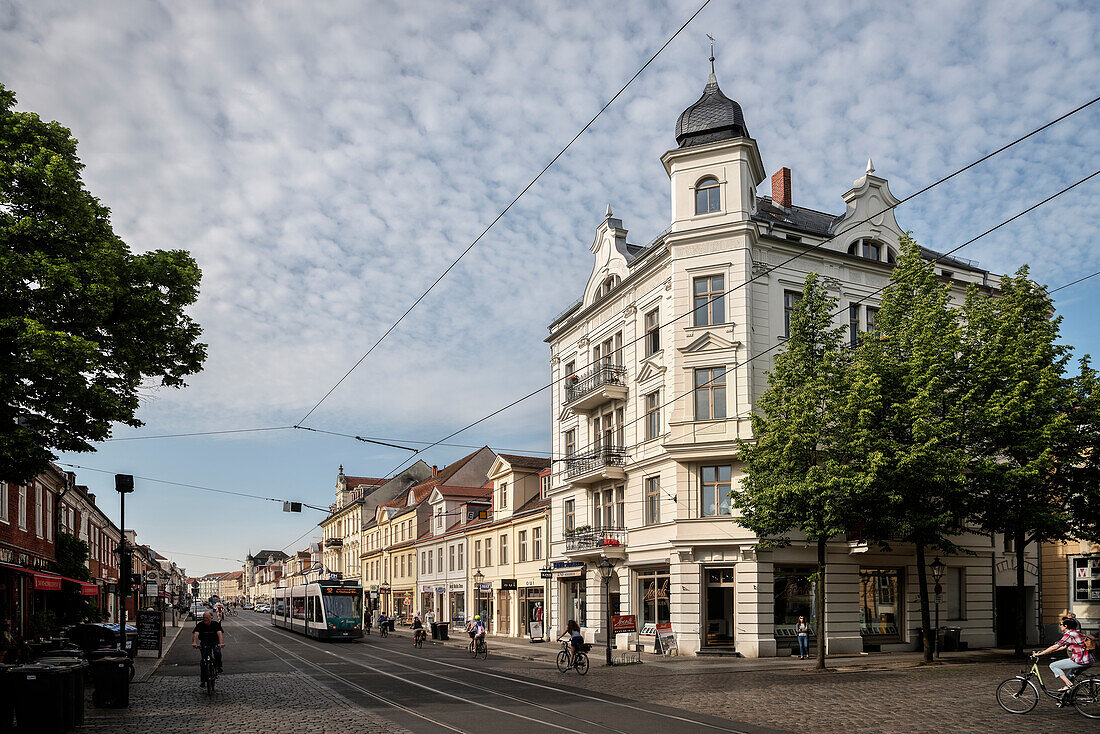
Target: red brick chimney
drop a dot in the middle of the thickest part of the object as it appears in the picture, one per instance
(781, 188)
(435, 470)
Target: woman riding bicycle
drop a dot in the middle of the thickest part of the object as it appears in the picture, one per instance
(576, 639)
(1080, 657)
(418, 630)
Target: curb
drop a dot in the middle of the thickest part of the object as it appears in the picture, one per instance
(169, 640)
(495, 651)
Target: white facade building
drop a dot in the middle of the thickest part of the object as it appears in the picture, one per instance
(654, 385)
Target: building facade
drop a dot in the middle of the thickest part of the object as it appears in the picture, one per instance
(656, 373)
(1071, 585)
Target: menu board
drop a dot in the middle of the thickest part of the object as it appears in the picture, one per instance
(149, 625)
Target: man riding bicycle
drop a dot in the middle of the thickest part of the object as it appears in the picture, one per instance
(418, 629)
(208, 634)
(1080, 657)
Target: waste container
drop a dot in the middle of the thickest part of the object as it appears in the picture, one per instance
(111, 678)
(442, 630)
(74, 670)
(7, 698)
(40, 698)
(435, 630)
(949, 639)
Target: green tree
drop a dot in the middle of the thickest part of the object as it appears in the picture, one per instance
(1031, 426)
(797, 465)
(912, 455)
(71, 561)
(83, 321)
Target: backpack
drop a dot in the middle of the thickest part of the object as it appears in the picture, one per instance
(1089, 642)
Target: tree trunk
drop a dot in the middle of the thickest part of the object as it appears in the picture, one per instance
(1021, 602)
(819, 593)
(925, 617)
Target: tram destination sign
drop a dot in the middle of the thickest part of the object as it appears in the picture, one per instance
(343, 590)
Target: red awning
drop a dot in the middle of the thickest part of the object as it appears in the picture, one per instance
(88, 589)
(46, 581)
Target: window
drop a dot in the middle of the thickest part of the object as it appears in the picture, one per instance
(707, 198)
(439, 518)
(620, 421)
(4, 501)
(652, 500)
(461, 550)
(488, 551)
(793, 588)
(872, 320)
(653, 595)
(853, 325)
(715, 481)
(503, 495)
(570, 442)
(1086, 579)
(620, 506)
(790, 298)
(439, 558)
(652, 415)
(412, 567)
(709, 300)
(536, 543)
(570, 376)
(522, 546)
(601, 509)
(710, 393)
(544, 485)
(423, 562)
(954, 586)
(608, 285)
(451, 558)
(569, 517)
(867, 249)
(38, 529)
(880, 612)
(503, 550)
(652, 332)
(402, 565)
(477, 554)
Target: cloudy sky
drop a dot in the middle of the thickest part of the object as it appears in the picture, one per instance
(324, 162)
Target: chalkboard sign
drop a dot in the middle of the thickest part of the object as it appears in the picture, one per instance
(149, 625)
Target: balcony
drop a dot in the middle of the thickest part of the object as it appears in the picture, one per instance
(600, 384)
(334, 543)
(594, 542)
(595, 466)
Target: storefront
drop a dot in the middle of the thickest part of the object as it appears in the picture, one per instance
(574, 603)
(881, 595)
(456, 591)
(719, 606)
(427, 599)
(403, 603)
(483, 604)
(793, 589)
(505, 601)
(532, 605)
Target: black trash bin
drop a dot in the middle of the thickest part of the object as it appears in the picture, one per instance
(74, 687)
(111, 677)
(949, 639)
(7, 698)
(442, 630)
(40, 698)
(435, 630)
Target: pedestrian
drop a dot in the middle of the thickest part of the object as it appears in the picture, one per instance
(802, 631)
(7, 641)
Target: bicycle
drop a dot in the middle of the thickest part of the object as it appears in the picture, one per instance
(418, 638)
(208, 668)
(578, 660)
(477, 648)
(383, 629)
(1019, 694)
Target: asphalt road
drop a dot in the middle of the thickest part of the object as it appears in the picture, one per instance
(439, 689)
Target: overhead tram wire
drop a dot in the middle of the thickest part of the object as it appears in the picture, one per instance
(200, 433)
(747, 361)
(1079, 280)
(505, 210)
(195, 486)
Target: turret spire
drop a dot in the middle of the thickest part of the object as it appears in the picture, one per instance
(712, 77)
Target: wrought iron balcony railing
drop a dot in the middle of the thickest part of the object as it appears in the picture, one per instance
(583, 463)
(577, 386)
(334, 543)
(588, 538)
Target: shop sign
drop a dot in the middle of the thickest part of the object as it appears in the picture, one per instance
(624, 623)
(546, 574)
(508, 585)
(440, 589)
(374, 588)
(666, 639)
(562, 565)
(487, 586)
(534, 582)
(459, 586)
(425, 589)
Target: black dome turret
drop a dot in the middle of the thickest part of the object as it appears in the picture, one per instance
(714, 117)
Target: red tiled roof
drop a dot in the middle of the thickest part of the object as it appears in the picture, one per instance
(356, 482)
(525, 462)
(456, 492)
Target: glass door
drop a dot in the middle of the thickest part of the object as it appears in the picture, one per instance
(720, 592)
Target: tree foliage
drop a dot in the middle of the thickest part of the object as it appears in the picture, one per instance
(84, 322)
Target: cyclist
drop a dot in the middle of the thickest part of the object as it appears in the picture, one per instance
(418, 629)
(576, 639)
(477, 631)
(1080, 657)
(367, 621)
(208, 633)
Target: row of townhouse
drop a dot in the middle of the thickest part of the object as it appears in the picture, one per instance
(227, 586)
(32, 515)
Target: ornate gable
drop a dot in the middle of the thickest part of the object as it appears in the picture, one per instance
(709, 342)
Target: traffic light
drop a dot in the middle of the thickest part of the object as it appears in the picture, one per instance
(135, 579)
(292, 507)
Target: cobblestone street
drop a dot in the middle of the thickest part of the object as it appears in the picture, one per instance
(248, 703)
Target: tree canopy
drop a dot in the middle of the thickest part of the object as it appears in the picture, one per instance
(84, 322)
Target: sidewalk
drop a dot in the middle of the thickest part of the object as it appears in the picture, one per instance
(522, 649)
(146, 663)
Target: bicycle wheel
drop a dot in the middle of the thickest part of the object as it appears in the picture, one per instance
(562, 661)
(471, 649)
(1086, 698)
(1017, 695)
(581, 663)
(482, 651)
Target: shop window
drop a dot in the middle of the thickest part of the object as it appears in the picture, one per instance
(880, 596)
(653, 600)
(954, 586)
(1086, 579)
(794, 588)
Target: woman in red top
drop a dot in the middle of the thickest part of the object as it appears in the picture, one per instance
(1079, 656)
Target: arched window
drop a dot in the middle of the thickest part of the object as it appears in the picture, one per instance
(868, 249)
(707, 198)
(608, 285)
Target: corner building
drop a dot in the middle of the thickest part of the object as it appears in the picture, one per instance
(655, 381)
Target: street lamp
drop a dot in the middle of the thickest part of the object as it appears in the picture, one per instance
(937, 567)
(478, 578)
(606, 568)
(124, 485)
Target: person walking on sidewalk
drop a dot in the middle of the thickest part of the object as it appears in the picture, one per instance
(802, 632)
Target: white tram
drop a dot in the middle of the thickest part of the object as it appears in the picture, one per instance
(327, 610)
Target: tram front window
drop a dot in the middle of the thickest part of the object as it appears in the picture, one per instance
(343, 607)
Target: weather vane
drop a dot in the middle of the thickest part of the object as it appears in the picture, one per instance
(711, 52)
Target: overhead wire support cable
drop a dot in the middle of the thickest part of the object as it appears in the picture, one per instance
(504, 211)
(357, 438)
(201, 433)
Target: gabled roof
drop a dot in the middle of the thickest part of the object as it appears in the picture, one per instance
(525, 462)
(464, 493)
(356, 482)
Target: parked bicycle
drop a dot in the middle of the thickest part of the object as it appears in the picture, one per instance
(478, 649)
(1020, 694)
(567, 658)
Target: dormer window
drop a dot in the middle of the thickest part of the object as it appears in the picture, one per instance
(608, 285)
(867, 249)
(707, 197)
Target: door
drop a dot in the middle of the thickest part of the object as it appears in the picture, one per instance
(719, 605)
(504, 612)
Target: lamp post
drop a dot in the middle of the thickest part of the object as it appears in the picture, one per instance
(124, 485)
(937, 567)
(606, 568)
(478, 578)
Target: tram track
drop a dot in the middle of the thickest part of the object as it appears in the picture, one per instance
(673, 718)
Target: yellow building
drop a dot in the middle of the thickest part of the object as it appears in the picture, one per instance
(1070, 584)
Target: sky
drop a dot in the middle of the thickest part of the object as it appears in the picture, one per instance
(324, 162)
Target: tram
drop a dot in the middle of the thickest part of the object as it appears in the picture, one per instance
(327, 610)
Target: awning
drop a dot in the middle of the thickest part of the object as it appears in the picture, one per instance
(46, 581)
(88, 589)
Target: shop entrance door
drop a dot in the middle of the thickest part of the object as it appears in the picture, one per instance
(504, 613)
(720, 607)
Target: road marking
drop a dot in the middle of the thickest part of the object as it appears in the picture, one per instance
(425, 687)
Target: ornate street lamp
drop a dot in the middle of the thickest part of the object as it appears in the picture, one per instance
(606, 568)
(478, 578)
(937, 567)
